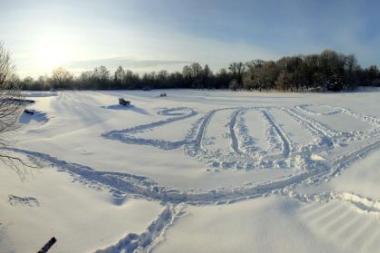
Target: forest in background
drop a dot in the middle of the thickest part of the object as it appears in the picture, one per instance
(327, 71)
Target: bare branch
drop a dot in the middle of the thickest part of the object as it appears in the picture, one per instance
(17, 159)
(11, 103)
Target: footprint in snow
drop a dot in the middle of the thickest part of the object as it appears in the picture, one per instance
(14, 200)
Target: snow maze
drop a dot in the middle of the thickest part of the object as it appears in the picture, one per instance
(313, 142)
(242, 145)
(258, 137)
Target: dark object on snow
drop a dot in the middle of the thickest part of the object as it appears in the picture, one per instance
(163, 94)
(20, 100)
(30, 112)
(124, 102)
(48, 245)
(28, 101)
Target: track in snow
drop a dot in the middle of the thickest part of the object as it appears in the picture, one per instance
(244, 153)
(123, 183)
(147, 240)
(285, 142)
(126, 135)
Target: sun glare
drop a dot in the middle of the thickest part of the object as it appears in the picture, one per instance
(50, 53)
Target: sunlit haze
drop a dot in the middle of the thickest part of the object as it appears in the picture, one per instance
(152, 35)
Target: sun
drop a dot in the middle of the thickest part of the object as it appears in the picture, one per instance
(50, 53)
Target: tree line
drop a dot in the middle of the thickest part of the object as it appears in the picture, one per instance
(327, 71)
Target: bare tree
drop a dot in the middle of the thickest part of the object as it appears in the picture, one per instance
(5, 64)
(11, 105)
(237, 70)
(10, 97)
(119, 77)
(62, 78)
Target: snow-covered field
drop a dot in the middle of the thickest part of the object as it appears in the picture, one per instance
(196, 171)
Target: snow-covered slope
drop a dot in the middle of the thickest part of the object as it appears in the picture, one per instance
(211, 171)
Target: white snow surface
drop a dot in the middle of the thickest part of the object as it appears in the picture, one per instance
(196, 171)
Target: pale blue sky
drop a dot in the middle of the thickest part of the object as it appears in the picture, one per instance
(165, 34)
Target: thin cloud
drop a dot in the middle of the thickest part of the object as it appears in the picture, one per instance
(124, 62)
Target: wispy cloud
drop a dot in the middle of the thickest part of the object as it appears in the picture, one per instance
(125, 62)
(153, 35)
